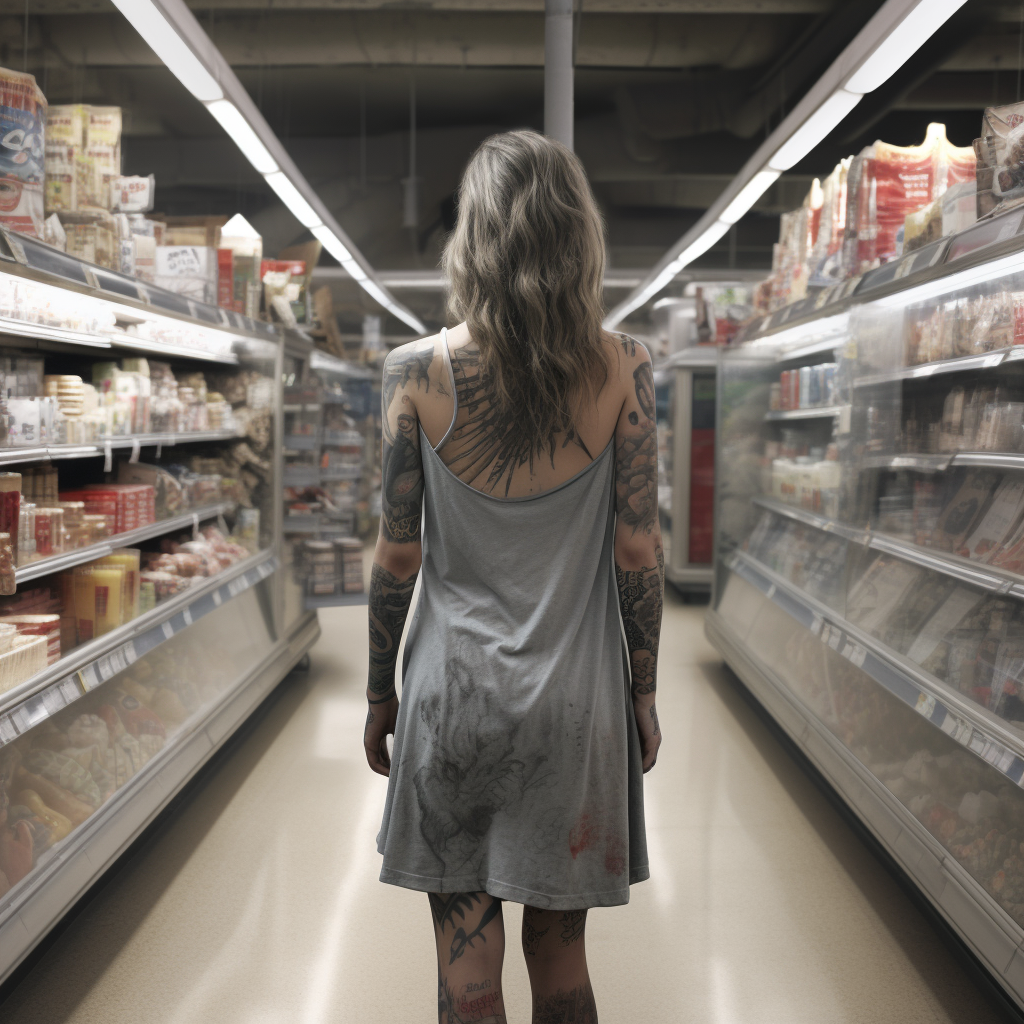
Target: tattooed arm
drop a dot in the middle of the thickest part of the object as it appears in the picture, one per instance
(396, 561)
(639, 561)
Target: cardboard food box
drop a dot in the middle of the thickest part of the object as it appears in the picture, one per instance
(198, 231)
(246, 245)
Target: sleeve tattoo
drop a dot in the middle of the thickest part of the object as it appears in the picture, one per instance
(401, 467)
(641, 591)
(636, 460)
(389, 601)
(641, 595)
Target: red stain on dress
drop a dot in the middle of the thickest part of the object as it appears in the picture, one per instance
(615, 855)
(581, 835)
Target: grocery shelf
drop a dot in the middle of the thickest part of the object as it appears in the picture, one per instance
(957, 896)
(334, 600)
(87, 666)
(79, 556)
(961, 364)
(11, 454)
(939, 463)
(300, 476)
(301, 442)
(341, 473)
(813, 413)
(313, 523)
(974, 573)
(968, 724)
(65, 871)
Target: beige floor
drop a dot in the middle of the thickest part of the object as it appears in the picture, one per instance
(260, 903)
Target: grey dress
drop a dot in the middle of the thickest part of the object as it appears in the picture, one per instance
(516, 767)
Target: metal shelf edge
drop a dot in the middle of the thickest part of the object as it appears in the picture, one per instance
(930, 697)
(85, 667)
(57, 563)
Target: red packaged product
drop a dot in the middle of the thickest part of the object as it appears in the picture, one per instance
(226, 279)
(97, 503)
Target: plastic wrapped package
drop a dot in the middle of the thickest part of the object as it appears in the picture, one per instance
(45, 626)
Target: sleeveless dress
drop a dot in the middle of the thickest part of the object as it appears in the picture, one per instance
(516, 767)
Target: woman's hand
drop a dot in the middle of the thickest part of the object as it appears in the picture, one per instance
(650, 731)
(380, 723)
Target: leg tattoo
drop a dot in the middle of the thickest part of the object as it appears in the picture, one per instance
(573, 924)
(575, 1007)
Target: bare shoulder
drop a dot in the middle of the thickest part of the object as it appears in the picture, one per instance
(414, 367)
(633, 372)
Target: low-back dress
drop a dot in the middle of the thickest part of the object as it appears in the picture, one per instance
(516, 767)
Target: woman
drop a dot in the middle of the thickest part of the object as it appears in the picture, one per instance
(527, 436)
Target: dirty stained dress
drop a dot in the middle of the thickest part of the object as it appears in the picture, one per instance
(516, 767)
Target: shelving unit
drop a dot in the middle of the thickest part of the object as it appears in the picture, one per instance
(888, 658)
(820, 412)
(204, 657)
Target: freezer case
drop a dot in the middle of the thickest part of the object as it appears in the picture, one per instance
(685, 388)
(146, 632)
(869, 573)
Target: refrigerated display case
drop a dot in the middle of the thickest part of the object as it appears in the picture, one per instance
(685, 386)
(869, 575)
(141, 613)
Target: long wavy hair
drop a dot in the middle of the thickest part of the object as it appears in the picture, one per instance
(526, 268)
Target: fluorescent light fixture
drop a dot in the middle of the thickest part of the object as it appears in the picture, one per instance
(168, 45)
(354, 270)
(748, 195)
(377, 293)
(696, 249)
(330, 241)
(814, 129)
(293, 199)
(901, 43)
(243, 135)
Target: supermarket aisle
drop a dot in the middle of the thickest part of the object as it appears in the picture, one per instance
(260, 901)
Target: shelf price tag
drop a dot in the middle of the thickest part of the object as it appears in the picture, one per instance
(925, 705)
(167, 629)
(217, 599)
(186, 614)
(90, 677)
(8, 730)
(136, 450)
(108, 457)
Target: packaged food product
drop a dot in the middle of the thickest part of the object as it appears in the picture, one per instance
(22, 156)
(46, 626)
(132, 193)
(8, 584)
(99, 596)
(10, 505)
(128, 559)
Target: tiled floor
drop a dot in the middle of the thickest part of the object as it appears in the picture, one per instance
(260, 903)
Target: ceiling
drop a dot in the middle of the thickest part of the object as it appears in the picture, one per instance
(672, 96)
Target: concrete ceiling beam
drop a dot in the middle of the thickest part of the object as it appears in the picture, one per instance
(415, 38)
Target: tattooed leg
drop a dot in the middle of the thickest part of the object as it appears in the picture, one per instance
(556, 959)
(470, 936)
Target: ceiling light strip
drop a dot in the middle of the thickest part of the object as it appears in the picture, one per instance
(897, 30)
(172, 32)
